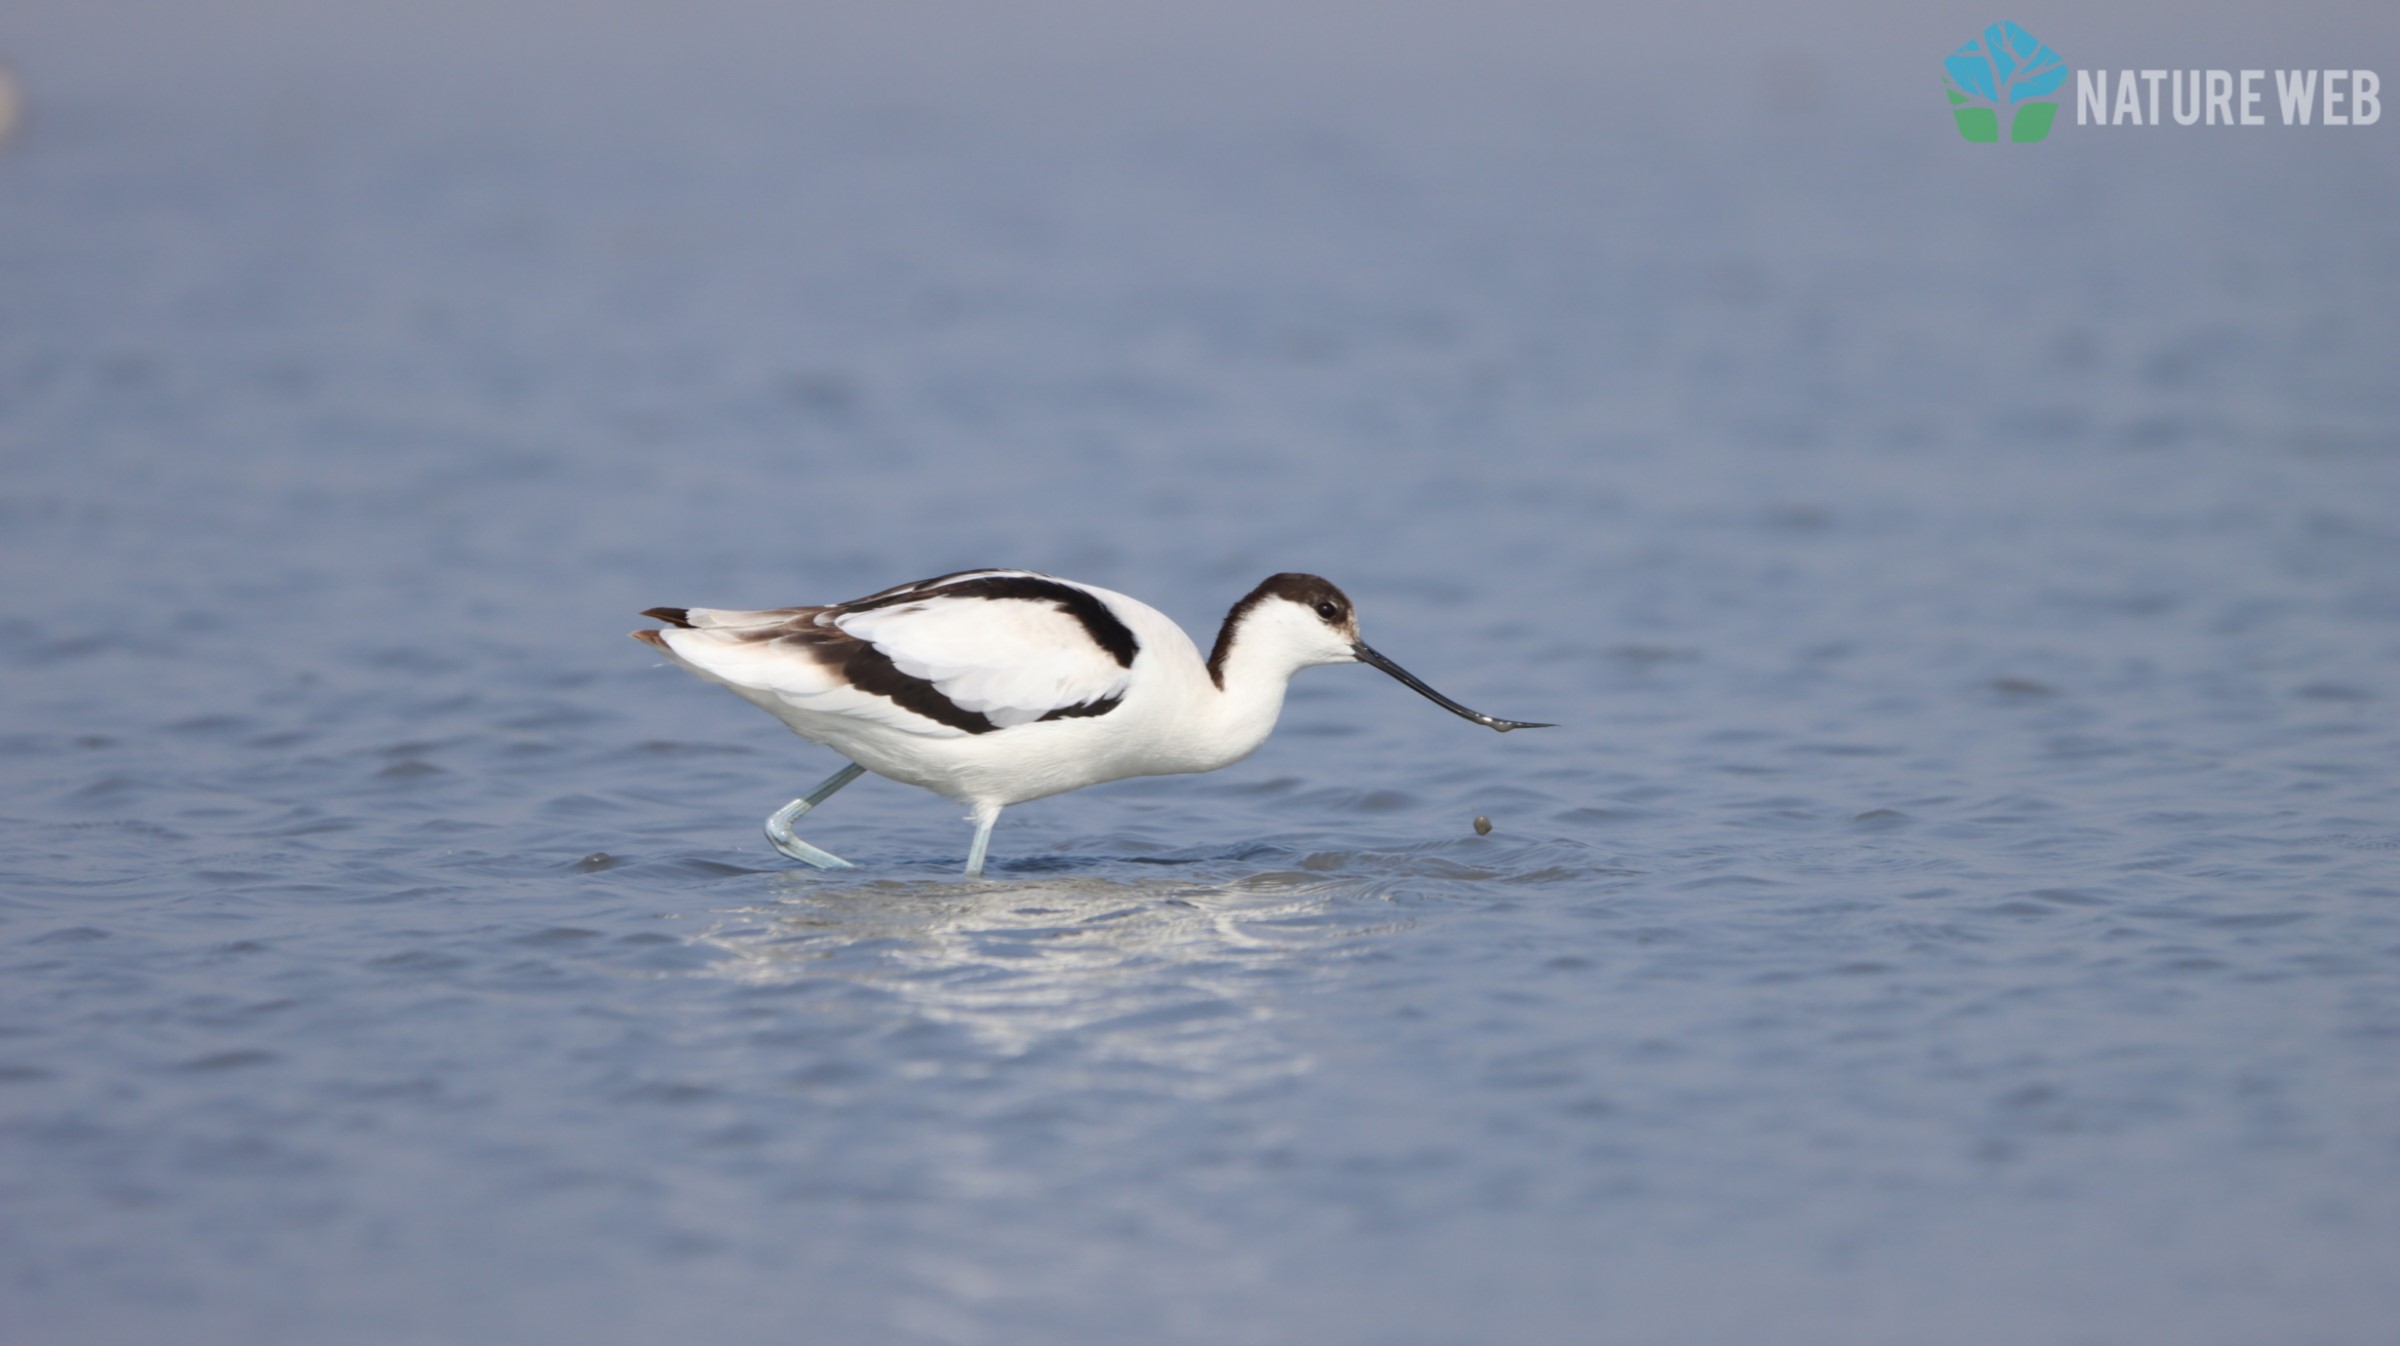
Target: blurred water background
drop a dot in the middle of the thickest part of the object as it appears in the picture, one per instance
(1959, 906)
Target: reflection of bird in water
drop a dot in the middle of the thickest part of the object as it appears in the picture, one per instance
(1160, 982)
(994, 687)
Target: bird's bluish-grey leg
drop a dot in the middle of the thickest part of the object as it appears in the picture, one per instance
(985, 816)
(779, 823)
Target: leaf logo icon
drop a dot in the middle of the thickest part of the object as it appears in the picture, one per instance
(2004, 76)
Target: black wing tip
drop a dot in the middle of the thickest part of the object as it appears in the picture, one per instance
(671, 616)
(1505, 725)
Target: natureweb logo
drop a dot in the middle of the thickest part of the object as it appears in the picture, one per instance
(2004, 75)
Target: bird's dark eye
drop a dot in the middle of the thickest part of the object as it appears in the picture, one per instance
(1328, 611)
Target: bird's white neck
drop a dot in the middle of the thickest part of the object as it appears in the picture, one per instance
(1248, 699)
(1223, 708)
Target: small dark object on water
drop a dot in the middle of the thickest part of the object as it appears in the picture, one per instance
(1483, 826)
(596, 862)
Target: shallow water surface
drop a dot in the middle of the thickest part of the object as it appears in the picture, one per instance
(1961, 902)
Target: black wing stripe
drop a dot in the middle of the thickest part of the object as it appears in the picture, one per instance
(1103, 626)
(870, 670)
(1100, 707)
(917, 588)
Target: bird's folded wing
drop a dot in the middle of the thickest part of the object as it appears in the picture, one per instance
(1012, 660)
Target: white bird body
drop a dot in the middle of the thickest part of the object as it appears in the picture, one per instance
(995, 687)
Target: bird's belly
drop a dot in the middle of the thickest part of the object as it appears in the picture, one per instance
(1012, 765)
